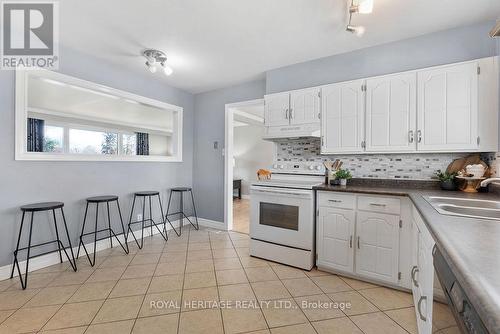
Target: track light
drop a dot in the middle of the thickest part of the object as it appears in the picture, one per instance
(357, 30)
(167, 69)
(156, 56)
(362, 7)
(151, 66)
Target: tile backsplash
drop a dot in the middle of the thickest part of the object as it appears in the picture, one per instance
(414, 166)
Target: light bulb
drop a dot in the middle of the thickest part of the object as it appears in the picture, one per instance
(151, 67)
(357, 30)
(365, 6)
(167, 69)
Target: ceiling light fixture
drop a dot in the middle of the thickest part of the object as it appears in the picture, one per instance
(362, 7)
(153, 57)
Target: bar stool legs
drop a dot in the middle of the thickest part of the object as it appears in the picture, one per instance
(181, 191)
(32, 208)
(111, 233)
(150, 220)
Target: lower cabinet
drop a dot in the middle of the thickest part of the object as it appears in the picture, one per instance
(422, 274)
(335, 247)
(353, 240)
(377, 251)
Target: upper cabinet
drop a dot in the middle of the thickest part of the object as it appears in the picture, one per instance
(448, 108)
(391, 113)
(293, 108)
(342, 111)
(276, 109)
(304, 106)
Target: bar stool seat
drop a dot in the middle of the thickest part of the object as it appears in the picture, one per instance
(98, 200)
(44, 206)
(102, 199)
(31, 209)
(147, 195)
(181, 191)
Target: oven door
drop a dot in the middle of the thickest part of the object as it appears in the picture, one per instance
(282, 216)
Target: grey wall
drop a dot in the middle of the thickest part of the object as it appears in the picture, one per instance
(208, 165)
(24, 182)
(443, 47)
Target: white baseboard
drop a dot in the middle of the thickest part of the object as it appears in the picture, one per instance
(245, 196)
(53, 258)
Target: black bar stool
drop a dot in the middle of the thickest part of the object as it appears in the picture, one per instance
(144, 195)
(39, 207)
(181, 191)
(97, 200)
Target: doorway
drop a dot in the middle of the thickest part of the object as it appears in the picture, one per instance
(245, 153)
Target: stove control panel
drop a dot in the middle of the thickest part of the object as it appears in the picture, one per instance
(298, 167)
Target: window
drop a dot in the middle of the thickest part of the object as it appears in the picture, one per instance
(129, 144)
(53, 139)
(92, 142)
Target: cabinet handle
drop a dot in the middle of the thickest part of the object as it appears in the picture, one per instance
(358, 243)
(419, 136)
(414, 271)
(290, 113)
(335, 201)
(350, 241)
(286, 113)
(422, 317)
(378, 204)
(410, 136)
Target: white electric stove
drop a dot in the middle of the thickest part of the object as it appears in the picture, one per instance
(282, 215)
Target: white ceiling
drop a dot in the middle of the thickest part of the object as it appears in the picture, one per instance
(216, 43)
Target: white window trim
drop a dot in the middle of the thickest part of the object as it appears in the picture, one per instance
(21, 152)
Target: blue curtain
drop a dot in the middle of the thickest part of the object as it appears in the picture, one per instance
(142, 143)
(36, 129)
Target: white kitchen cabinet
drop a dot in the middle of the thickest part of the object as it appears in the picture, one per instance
(335, 244)
(359, 235)
(277, 109)
(391, 113)
(448, 108)
(422, 274)
(342, 117)
(377, 246)
(305, 106)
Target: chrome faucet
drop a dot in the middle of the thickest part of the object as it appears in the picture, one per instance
(484, 183)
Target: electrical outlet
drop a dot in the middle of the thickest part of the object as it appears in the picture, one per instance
(139, 217)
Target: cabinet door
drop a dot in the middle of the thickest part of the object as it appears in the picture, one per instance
(391, 107)
(335, 239)
(424, 278)
(447, 108)
(342, 117)
(377, 246)
(276, 109)
(304, 106)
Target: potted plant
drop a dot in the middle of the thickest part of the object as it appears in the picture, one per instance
(343, 175)
(447, 180)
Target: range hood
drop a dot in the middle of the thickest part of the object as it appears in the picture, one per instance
(273, 133)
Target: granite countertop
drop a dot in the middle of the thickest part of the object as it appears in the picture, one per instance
(470, 246)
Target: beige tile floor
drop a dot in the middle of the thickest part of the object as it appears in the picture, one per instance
(241, 215)
(161, 289)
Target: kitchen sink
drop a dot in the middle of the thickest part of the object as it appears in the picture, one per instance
(473, 208)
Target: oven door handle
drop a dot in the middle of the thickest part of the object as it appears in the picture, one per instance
(283, 192)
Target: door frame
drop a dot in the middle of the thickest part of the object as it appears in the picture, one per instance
(228, 157)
